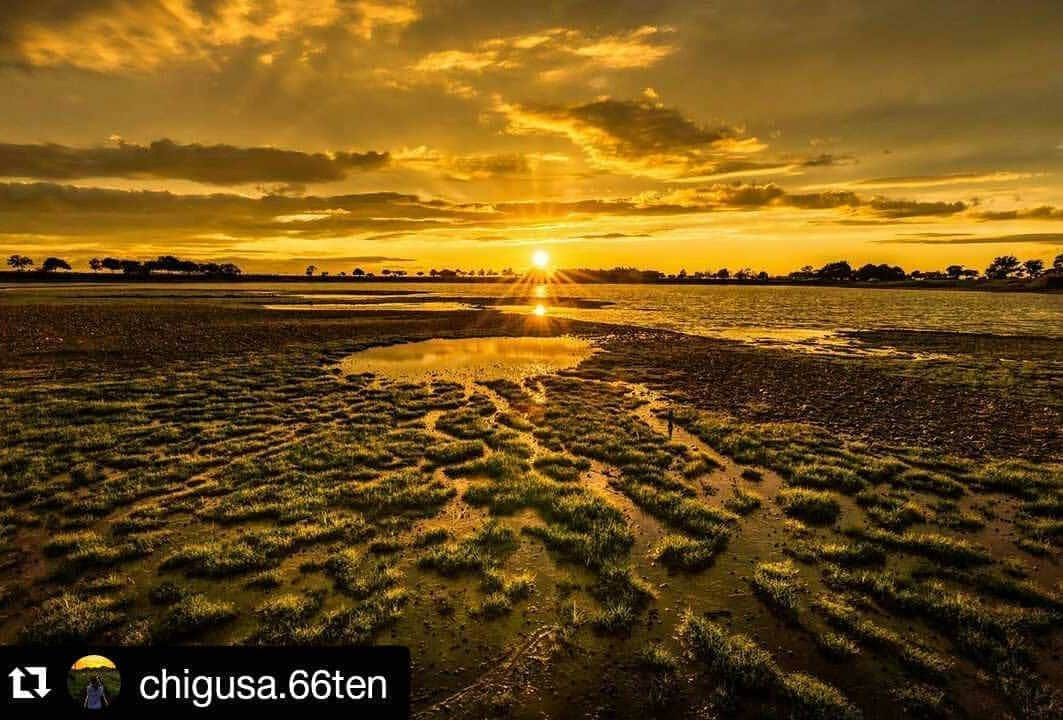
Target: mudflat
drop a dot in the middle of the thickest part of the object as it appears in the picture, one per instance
(664, 526)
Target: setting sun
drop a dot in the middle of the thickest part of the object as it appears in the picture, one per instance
(540, 259)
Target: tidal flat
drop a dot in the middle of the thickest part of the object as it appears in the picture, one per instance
(656, 525)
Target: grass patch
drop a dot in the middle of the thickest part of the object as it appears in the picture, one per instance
(811, 506)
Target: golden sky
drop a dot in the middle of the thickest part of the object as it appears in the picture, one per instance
(445, 133)
(92, 661)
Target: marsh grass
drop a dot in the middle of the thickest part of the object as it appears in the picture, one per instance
(265, 489)
(812, 506)
(478, 553)
(68, 618)
(739, 662)
(780, 585)
(679, 552)
(193, 614)
(742, 502)
(943, 548)
(848, 620)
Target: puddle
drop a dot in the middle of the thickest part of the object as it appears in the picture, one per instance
(470, 359)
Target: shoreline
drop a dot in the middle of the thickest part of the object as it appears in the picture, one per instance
(1044, 284)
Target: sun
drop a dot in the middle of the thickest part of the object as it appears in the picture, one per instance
(540, 259)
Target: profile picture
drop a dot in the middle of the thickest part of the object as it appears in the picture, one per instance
(94, 682)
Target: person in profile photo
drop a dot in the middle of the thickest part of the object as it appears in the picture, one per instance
(95, 694)
(94, 682)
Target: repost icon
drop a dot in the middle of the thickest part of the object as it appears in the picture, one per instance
(29, 683)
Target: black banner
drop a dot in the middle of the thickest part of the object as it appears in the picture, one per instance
(374, 682)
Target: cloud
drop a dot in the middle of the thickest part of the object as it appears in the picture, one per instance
(372, 15)
(479, 166)
(825, 200)
(827, 160)
(218, 164)
(555, 54)
(1044, 212)
(174, 221)
(611, 236)
(140, 35)
(1038, 238)
(640, 137)
(888, 208)
(547, 56)
(939, 180)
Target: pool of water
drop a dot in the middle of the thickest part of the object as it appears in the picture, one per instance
(467, 360)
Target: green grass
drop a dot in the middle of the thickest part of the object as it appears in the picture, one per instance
(739, 662)
(742, 502)
(263, 499)
(812, 506)
(780, 585)
(845, 618)
(477, 553)
(71, 619)
(943, 548)
(679, 552)
(192, 615)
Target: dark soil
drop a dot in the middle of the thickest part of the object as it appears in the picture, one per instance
(850, 395)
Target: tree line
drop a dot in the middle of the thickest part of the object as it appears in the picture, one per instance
(1001, 268)
(312, 270)
(163, 263)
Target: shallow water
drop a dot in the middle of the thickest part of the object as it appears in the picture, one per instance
(437, 306)
(470, 359)
(696, 309)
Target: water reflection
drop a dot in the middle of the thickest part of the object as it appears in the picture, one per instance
(438, 306)
(470, 359)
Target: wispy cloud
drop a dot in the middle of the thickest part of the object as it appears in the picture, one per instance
(913, 181)
(218, 164)
(1036, 238)
(140, 35)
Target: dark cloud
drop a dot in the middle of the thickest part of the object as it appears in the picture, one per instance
(1045, 212)
(824, 200)
(217, 164)
(828, 160)
(1039, 238)
(612, 236)
(643, 128)
(641, 137)
(48, 209)
(914, 208)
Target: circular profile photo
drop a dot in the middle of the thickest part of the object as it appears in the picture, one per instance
(93, 682)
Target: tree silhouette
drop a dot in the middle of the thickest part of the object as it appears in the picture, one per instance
(310, 270)
(881, 272)
(358, 272)
(112, 264)
(1034, 268)
(19, 262)
(1057, 264)
(954, 271)
(723, 273)
(53, 263)
(840, 270)
(95, 264)
(1002, 267)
